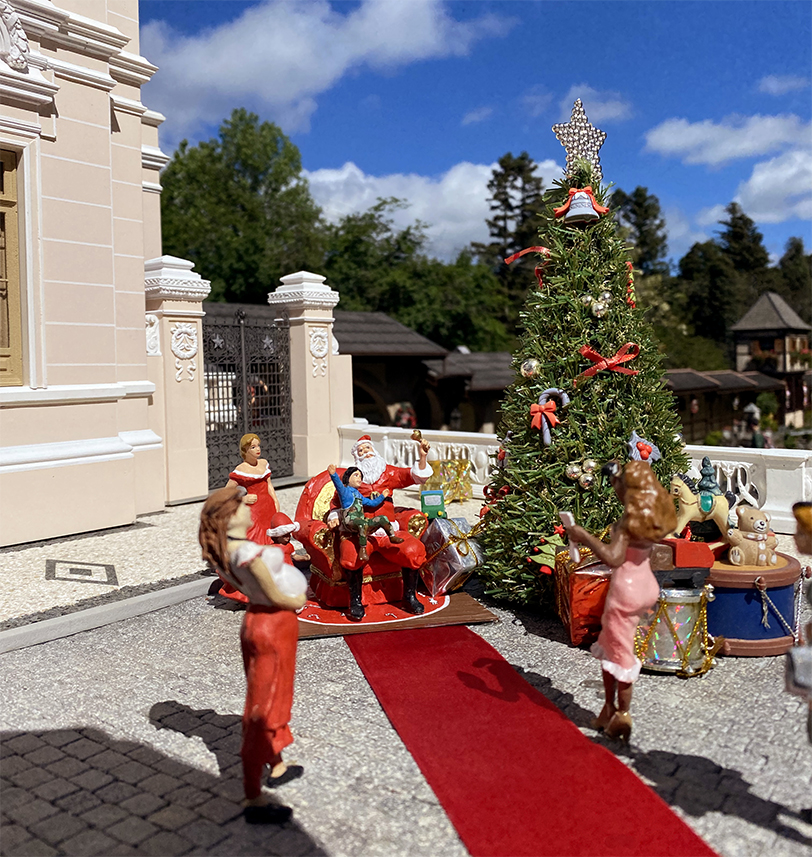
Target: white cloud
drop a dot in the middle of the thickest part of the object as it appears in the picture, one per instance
(713, 143)
(781, 84)
(480, 114)
(711, 216)
(454, 204)
(535, 101)
(600, 105)
(779, 189)
(279, 56)
(681, 233)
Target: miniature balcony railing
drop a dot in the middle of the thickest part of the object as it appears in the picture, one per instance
(769, 479)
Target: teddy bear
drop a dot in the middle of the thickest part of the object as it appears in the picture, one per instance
(753, 543)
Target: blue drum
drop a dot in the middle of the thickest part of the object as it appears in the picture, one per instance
(754, 607)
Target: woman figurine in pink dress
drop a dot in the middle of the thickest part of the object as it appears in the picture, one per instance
(648, 516)
(254, 475)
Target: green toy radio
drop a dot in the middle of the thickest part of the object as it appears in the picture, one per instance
(432, 504)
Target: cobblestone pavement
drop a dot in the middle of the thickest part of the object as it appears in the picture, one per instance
(124, 740)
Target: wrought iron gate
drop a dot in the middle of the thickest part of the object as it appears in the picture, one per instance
(247, 377)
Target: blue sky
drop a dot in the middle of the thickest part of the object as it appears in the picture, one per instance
(703, 102)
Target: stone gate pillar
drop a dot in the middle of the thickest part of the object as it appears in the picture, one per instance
(320, 378)
(174, 294)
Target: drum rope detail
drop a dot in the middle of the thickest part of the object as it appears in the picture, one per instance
(766, 602)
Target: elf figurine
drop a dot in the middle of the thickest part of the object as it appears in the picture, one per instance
(648, 516)
(274, 591)
(280, 531)
(352, 520)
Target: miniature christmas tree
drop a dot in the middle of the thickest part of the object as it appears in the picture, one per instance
(590, 388)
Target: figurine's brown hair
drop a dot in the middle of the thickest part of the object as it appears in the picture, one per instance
(648, 510)
(245, 441)
(217, 511)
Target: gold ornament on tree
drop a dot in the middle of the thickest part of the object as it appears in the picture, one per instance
(530, 367)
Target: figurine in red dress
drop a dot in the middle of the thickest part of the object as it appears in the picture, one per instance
(648, 516)
(274, 590)
(254, 475)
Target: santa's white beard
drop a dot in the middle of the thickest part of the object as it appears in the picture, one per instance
(371, 467)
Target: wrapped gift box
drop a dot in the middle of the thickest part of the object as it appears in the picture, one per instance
(451, 554)
(580, 594)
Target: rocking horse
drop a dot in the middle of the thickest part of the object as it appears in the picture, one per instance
(695, 505)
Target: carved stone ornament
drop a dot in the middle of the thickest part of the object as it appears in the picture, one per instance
(13, 40)
(153, 335)
(304, 290)
(184, 347)
(319, 346)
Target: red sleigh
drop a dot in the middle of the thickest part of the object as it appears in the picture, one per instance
(329, 557)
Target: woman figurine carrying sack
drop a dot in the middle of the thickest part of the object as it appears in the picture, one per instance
(269, 635)
(648, 516)
(254, 475)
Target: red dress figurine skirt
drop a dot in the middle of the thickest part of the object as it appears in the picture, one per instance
(268, 638)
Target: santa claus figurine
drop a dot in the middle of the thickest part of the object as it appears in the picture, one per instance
(410, 554)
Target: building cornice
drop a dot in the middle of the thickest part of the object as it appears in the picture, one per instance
(127, 105)
(152, 158)
(131, 68)
(153, 118)
(30, 88)
(80, 74)
(168, 278)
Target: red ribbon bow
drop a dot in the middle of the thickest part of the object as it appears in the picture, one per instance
(599, 209)
(539, 268)
(628, 352)
(546, 410)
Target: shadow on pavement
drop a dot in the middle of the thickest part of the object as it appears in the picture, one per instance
(80, 792)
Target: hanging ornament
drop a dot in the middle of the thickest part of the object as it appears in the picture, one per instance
(606, 297)
(599, 309)
(580, 206)
(530, 367)
(586, 300)
(590, 465)
(543, 413)
(581, 140)
(641, 449)
(572, 470)
(586, 480)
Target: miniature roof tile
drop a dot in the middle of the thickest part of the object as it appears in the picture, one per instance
(771, 312)
(690, 381)
(375, 334)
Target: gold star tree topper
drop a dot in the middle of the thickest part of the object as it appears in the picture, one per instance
(581, 140)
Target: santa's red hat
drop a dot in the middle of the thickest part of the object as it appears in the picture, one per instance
(363, 439)
(281, 525)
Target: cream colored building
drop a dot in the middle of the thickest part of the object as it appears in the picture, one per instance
(83, 415)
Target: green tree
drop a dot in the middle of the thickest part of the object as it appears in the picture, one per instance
(640, 214)
(238, 207)
(713, 291)
(741, 242)
(377, 267)
(515, 202)
(796, 278)
(568, 327)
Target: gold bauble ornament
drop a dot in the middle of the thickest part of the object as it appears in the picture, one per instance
(530, 367)
(599, 309)
(586, 480)
(572, 470)
(590, 465)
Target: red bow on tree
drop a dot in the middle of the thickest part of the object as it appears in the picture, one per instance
(597, 207)
(547, 410)
(628, 352)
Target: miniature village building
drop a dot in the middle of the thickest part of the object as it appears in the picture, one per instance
(773, 339)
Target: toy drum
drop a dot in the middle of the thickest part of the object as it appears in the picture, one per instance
(754, 608)
(676, 639)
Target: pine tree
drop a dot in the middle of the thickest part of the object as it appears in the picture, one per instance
(641, 214)
(586, 302)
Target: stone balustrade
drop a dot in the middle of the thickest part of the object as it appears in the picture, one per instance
(771, 479)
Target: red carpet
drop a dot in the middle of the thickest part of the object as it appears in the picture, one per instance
(514, 775)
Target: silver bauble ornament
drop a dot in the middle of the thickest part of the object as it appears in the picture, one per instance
(586, 480)
(599, 309)
(606, 297)
(586, 300)
(590, 465)
(530, 367)
(572, 470)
